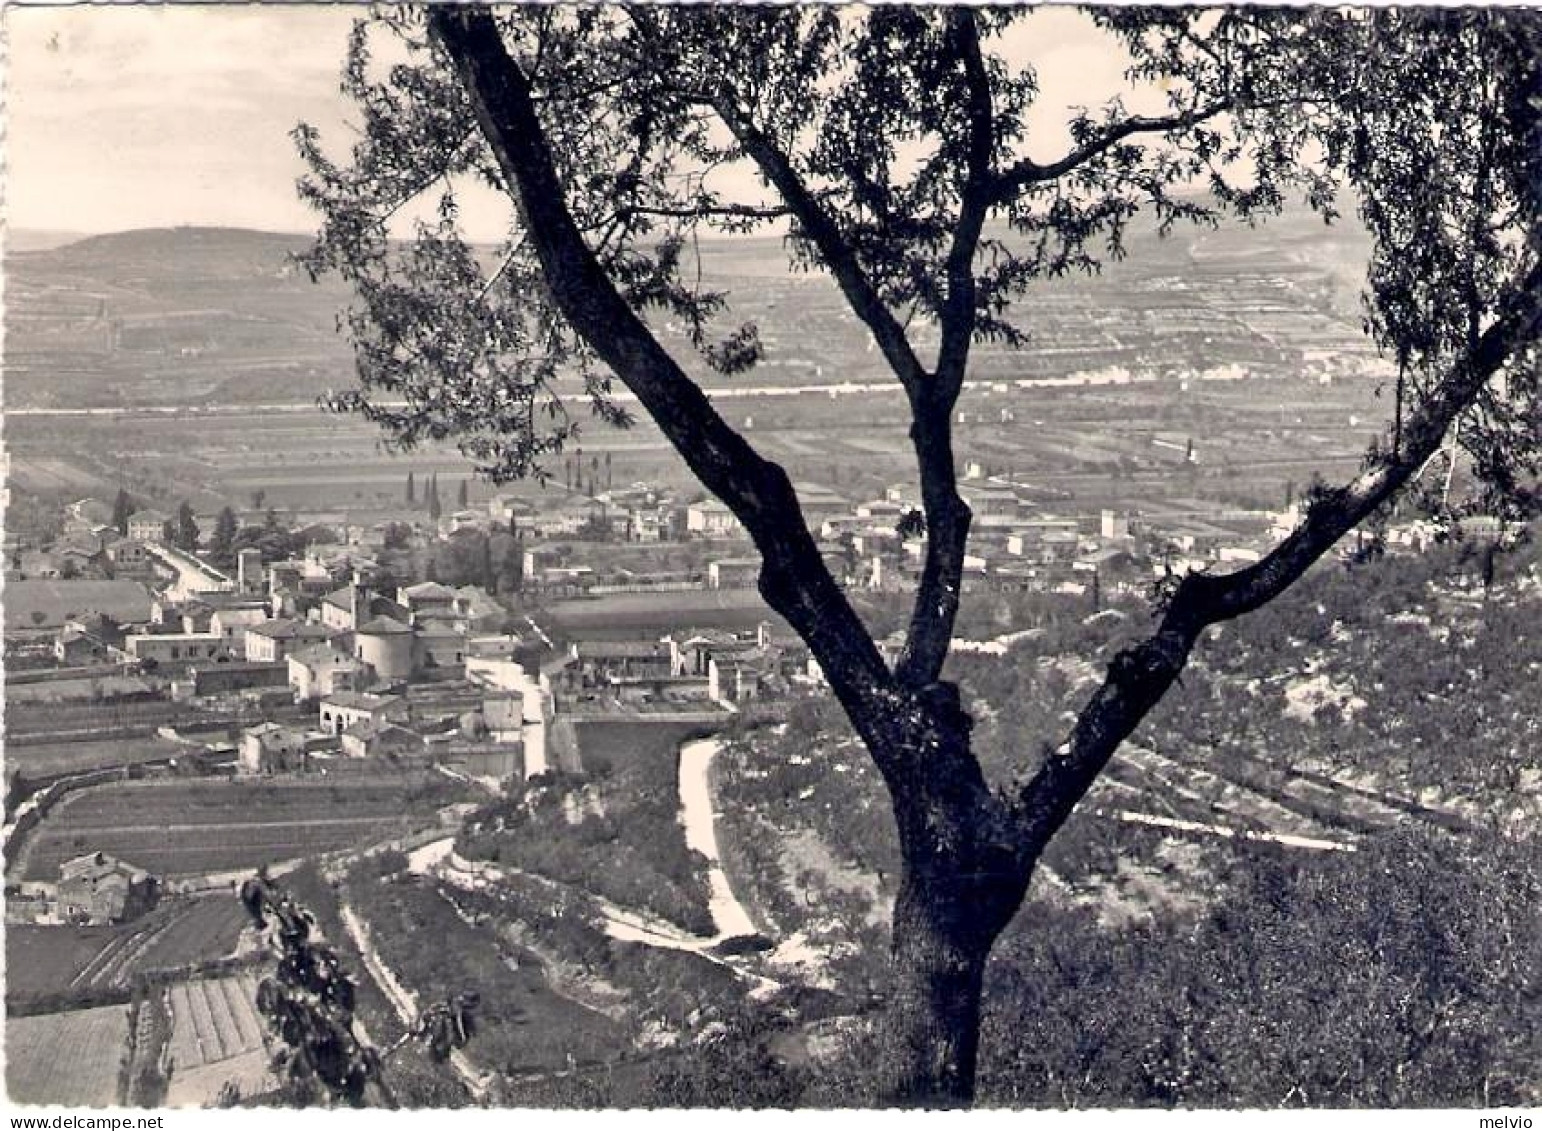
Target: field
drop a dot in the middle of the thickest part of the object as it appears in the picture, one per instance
(51, 759)
(43, 961)
(70, 1059)
(214, 1019)
(216, 1037)
(185, 828)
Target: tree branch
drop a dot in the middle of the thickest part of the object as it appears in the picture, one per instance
(834, 249)
(1027, 172)
(794, 579)
(1139, 677)
(947, 516)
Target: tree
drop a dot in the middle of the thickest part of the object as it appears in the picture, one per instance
(222, 551)
(185, 533)
(893, 145)
(434, 508)
(122, 507)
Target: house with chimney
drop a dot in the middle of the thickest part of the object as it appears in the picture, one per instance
(98, 889)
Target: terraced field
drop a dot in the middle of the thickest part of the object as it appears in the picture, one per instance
(214, 1019)
(183, 828)
(70, 1059)
(216, 1038)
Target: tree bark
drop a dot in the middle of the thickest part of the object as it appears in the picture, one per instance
(933, 1012)
(965, 872)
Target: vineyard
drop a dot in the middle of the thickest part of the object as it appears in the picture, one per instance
(183, 828)
(66, 1058)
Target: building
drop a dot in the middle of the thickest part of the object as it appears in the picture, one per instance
(176, 647)
(440, 645)
(386, 645)
(733, 573)
(249, 572)
(274, 640)
(711, 519)
(819, 502)
(231, 624)
(343, 709)
(339, 608)
(92, 638)
(147, 525)
(74, 647)
(427, 599)
(381, 739)
(98, 889)
(601, 662)
(320, 670)
(271, 749)
(479, 610)
(129, 559)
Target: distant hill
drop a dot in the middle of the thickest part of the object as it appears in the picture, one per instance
(200, 315)
(38, 239)
(169, 316)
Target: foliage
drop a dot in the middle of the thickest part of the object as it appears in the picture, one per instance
(1393, 977)
(309, 1004)
(619, 837)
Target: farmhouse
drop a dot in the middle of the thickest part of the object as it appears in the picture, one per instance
(97, 888)
(271, 749)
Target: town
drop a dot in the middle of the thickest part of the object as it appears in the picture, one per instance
(555, 722)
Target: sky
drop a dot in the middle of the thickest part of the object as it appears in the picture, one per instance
(126, 116)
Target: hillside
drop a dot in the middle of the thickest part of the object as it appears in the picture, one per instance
(168, 316)
(196, 316)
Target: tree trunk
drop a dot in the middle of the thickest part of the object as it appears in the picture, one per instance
(965, 873)
(934, 1005)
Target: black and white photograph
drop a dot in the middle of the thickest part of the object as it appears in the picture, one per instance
(614, 557)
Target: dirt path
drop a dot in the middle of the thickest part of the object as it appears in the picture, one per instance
(728, 914)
